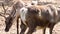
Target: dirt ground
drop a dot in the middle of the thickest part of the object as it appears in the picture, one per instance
(13, 29)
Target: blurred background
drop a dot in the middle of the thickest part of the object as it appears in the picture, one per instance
(13, 30)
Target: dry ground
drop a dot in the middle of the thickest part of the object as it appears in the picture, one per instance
(13, 29)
